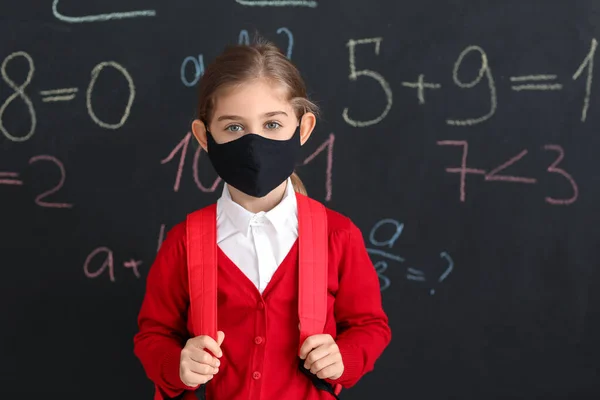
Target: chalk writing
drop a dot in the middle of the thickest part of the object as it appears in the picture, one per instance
(448, 270)
(421, 85)
(382, 266)
(51, 96)
(534, 86)
(327, 144)
(57, 95)
(355, 74)
(107, 264)
(277, 3)
(589, 62)
(494, 175)
(101, 261)
(183, 147)
(198, 65)
(10, 178)
(100, 17)
(19, 92)
(290, 36)
(95, 73)
(519, 83)
(483, 70)
(39, 199)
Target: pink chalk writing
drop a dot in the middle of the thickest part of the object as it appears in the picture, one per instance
(12, 178)
(328, 144)
(101, 261)
(39, 199)
(182, 147)
(463, 170)
(161, 236)
(134, 265)
(494, 175)
(7, 178)
(107, 264)
(553, 169)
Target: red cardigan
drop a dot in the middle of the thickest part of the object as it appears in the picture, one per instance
(260, 350)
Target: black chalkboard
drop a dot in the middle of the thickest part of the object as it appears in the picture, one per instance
(462, 137)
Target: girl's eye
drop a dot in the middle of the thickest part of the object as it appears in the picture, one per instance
(234, 128)
(273, 125)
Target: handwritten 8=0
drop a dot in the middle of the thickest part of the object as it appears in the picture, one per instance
(56, 95)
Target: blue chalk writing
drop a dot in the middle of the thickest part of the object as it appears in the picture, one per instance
(244, 37)
(381, 266)
(290, 40)
(198, 65)
(385, 254)
(389, 243)
(449, 269)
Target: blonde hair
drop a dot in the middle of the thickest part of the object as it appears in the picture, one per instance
(242, 63)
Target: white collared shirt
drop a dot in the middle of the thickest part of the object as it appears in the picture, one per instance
(257, 243)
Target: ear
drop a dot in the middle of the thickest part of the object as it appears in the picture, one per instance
(199, 130)
(307, 125)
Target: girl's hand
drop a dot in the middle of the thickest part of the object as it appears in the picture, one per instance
(322, 356)
(197, 366)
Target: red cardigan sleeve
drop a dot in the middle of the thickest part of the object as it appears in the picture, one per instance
(162, 318)
(363, 330)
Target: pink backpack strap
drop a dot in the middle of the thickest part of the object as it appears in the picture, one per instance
(202, 270)
(312, 266)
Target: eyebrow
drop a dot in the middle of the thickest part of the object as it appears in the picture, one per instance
(238, 118)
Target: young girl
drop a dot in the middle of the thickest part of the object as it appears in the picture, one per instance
(253, 117)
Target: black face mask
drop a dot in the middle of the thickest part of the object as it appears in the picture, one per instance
(254, 164)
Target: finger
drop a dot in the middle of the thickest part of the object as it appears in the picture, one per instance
(323, 362)
(209, 344)
(333, 371)
(315, 355)
(202, 356)
(311, 342)
(220, 337)
(202, 369)
(192, 379)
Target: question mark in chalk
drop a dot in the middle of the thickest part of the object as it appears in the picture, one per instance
(449, 269)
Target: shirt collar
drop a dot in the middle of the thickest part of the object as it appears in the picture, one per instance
(278, 216)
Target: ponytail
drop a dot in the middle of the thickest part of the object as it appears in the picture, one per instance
(297, 184)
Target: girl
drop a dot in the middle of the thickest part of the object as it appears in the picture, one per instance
(253, 116)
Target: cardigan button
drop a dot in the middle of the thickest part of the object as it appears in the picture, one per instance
(258, 340)
(256, 375)
(261, 305)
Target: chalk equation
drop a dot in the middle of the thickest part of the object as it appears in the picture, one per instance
(12, 178)
(20, 95)
(381, 256)
(196, 64)
(499, 173)
(182, 149)
(522, 83)
(99, 17)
